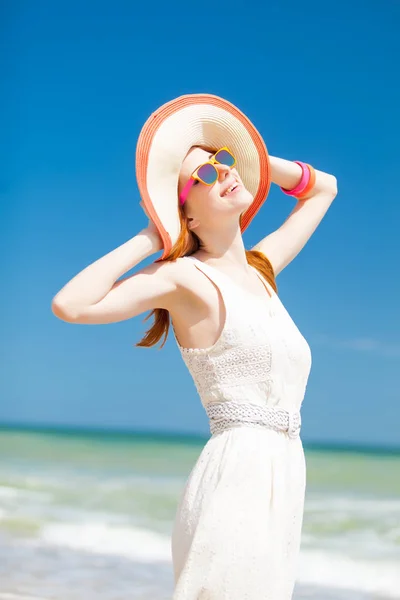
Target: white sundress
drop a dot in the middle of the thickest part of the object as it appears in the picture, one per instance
(237, 529)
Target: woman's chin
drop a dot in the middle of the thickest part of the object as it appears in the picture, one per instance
(242, 199)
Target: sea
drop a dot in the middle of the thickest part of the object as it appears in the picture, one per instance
(88, 515)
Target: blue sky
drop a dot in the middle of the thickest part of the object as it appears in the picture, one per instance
(79, 80)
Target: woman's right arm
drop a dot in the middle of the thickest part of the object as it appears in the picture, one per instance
(95, 296)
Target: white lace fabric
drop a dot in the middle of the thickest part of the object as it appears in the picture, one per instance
(237, 529)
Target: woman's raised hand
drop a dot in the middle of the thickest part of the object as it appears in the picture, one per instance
(151, 229)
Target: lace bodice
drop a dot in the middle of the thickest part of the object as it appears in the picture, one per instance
(260, 357)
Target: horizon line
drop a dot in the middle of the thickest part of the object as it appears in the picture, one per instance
(182, 436)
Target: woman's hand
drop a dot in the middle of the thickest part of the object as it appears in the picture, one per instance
(152, 230)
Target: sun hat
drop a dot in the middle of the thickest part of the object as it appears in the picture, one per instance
(166, 138)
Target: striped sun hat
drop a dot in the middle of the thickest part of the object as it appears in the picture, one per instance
(165, 140)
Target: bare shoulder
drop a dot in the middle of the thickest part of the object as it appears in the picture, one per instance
(186, 280)
(195, 297)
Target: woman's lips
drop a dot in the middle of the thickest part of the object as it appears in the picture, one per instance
(237, 189)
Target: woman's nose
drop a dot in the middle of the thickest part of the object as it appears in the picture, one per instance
(223, 171)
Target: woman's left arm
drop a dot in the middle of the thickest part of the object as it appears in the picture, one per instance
(284, 244)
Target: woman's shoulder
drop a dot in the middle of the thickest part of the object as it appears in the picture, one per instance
(182, 272)
(191, 287)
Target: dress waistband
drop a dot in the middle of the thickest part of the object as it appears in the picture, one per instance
(225, 415)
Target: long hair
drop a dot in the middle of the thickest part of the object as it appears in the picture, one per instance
(186, 244)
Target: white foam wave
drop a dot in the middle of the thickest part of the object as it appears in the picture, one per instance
(318, 567)
(12, 493)
(8, 492)
(322, 503)
(329, 569)
(11, 596)
(101, 538)
(361, 542)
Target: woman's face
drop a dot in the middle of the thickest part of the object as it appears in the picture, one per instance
(205, 203)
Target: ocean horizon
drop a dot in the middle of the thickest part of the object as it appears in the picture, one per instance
(183, 436)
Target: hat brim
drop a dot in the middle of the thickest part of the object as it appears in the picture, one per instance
(165, 140)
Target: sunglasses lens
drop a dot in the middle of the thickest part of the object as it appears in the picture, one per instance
(208, 174)
(225, 158)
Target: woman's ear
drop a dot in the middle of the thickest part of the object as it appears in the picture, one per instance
(193, 223)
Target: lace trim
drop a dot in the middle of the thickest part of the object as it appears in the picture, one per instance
(234, 364)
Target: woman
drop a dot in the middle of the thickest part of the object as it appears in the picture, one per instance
(203, 172)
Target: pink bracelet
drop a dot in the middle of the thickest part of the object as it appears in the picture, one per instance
(301, 186)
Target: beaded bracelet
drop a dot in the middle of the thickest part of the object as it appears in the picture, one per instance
(305, 184)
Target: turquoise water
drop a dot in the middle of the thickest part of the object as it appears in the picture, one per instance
(89, 511)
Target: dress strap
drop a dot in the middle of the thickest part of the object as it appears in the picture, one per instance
(219, 279)
(225, 285)
(266, 283)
